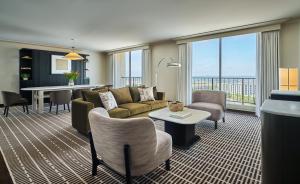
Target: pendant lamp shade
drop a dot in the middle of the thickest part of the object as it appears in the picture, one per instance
(73, 55)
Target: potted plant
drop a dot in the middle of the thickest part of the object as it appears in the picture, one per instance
(73, 75)
(25, 76)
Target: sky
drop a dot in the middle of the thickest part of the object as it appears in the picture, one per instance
(238, 57)
(136, 63)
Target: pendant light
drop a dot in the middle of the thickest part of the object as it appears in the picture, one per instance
(73, 55)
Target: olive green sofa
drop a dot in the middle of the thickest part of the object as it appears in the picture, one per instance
(128, 100)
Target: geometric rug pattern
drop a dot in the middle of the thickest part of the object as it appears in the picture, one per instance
(44, 148)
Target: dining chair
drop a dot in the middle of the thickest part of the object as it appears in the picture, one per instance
(60, 98)
(13, 99)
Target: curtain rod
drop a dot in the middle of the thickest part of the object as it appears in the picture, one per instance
(237, 28)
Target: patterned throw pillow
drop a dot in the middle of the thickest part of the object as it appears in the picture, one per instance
(146, 94)
(108, 100)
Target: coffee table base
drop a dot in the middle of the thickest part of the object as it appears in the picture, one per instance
(183, 136)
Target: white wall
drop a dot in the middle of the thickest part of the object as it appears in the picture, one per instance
(9, 65)
(167, 77)
(290, 45)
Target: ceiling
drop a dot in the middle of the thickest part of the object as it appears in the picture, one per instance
(109, 24)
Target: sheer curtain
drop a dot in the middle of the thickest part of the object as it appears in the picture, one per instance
(146, 67)
(184, 84)
(267, 66)
(119, 69)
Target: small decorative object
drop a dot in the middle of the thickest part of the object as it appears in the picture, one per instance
(73, 75)
(25, 76)
(60, 65)
(176, 106)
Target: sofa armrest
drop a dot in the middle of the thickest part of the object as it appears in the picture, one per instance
(161, 95)
(80, 111)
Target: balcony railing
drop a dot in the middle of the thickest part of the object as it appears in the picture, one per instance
(135, 81)
(239, 89)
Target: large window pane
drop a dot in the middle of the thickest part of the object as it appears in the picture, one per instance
(238, 67)
(136, 67)
(205, 65)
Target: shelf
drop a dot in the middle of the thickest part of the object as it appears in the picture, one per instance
(25, 68)
(26, 57)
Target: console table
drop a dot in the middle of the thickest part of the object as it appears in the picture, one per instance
(38, 93)
(280, 142)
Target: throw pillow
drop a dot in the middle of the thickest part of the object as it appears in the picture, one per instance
(122, 95)
(135, 94)
(155, 93)
(108, 100)
(93, 97)
(146, 94)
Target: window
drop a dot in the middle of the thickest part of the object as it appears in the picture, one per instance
(227, 64)
(129, 68)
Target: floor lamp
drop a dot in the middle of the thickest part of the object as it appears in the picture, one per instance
(170, 63)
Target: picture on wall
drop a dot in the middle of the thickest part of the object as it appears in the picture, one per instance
(60, 65)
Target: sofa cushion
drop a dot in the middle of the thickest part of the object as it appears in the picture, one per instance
(93, 97)
(157, 104)
(155, 93)
(122, 95)
(216, 110)
(101, 89)
(136, 108)
(135, 94)
(119, 113)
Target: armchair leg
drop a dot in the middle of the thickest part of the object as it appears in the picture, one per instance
(68, 107)
(27, 109)
(127, 163)
(168, 167)
(216, 125)
(223, 120)
(56, 109)
(50, 107)
(95, 160)
(7, 109)
(64, 107)
(23, 108)
(4, 113)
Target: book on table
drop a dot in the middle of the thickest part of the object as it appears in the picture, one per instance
(180, 114)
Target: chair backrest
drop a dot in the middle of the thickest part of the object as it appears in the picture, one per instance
(111, 134)
(61, 97)
(9, 98)
(209, 96)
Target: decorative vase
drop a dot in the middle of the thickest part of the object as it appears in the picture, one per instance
(71, 82)
(176, 106)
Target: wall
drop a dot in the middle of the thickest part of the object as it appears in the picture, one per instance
(290, 45)
(9, 65)
(167, 77)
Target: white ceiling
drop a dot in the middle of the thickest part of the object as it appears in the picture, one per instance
(109, 24)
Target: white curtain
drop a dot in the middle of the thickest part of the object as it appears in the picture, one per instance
(184, 84)
(110, 68)
(146, 68)
(119, 68)
(267, 66)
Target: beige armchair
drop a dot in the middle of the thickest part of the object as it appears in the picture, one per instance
(211, 101)
(131, 147)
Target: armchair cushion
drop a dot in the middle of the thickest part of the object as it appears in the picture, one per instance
(216, 110)
(136, 108)
(135, 94)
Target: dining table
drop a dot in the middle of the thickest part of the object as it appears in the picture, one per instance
(38, 93)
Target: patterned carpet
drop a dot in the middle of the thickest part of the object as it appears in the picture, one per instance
(44, 148)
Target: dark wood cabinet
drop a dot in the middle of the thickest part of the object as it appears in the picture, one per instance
(37, 65)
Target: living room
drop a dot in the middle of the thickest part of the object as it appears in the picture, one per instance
(149, 91)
